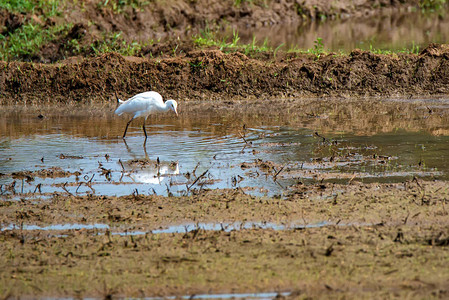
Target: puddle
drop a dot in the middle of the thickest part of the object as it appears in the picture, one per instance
(259, 296)
(227, 227)
(55, 227)
(262, 152)
(184, 228)
(397, 31)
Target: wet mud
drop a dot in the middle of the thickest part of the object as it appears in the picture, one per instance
(331, 233)
(322, 175)
(353, 240)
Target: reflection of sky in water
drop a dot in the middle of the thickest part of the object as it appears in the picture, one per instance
(258, 296)
(183, 228)
(187, 153)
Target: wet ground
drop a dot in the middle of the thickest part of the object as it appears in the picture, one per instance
(227, 200)
(46, 151)
(254, 191)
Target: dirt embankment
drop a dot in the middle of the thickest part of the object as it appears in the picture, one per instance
(213, 74)
(178, 15)
(189, 73)
(144, 20)
(161, 19)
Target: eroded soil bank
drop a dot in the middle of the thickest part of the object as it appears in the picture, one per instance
(354, 240)
(213, 74)
(81, 27)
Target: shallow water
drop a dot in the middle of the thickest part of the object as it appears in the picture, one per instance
(262, 152)
(396, 31)
(183, 228)
(258, 296)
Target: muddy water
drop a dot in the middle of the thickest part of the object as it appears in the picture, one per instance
(79, 150)
(397, 31)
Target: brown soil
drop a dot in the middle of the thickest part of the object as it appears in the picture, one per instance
(175, 17)
(177, 69)
(375, 240)
(170, 20)
(378, 241)
(213, 74)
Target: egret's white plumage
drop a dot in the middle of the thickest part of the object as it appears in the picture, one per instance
(143, 105)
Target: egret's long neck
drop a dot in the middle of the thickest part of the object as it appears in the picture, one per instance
(162, 107)
(165, 107)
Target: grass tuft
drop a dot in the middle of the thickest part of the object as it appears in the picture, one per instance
(28, 39)
(208, 38)
(114, 42)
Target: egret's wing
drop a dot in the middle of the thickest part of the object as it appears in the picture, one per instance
(140, 104)
(149, 95)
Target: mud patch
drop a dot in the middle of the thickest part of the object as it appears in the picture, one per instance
(29, 177)
(395, 232)
(53, 172)
(167, 28)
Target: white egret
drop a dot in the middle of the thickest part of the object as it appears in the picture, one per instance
(143, 105)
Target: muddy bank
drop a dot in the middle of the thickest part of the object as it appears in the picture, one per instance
(214, 74)
(355, 240)
(87, 25)
(160, 19)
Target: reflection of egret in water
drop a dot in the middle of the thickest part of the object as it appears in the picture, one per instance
(131, 152)
(145, 170)
(155, 173)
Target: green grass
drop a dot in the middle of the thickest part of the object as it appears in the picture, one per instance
(432, 5)
(208, 38)
(413, 50)
(118, 6)
(113, 42)
(28, 39)
(318, 48)
(48, 8)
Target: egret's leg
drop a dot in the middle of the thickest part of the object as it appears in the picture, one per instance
(126, 128)
(144, 130)
(126, 145)
(145, 148)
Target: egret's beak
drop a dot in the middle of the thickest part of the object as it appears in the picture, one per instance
(176, 113)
